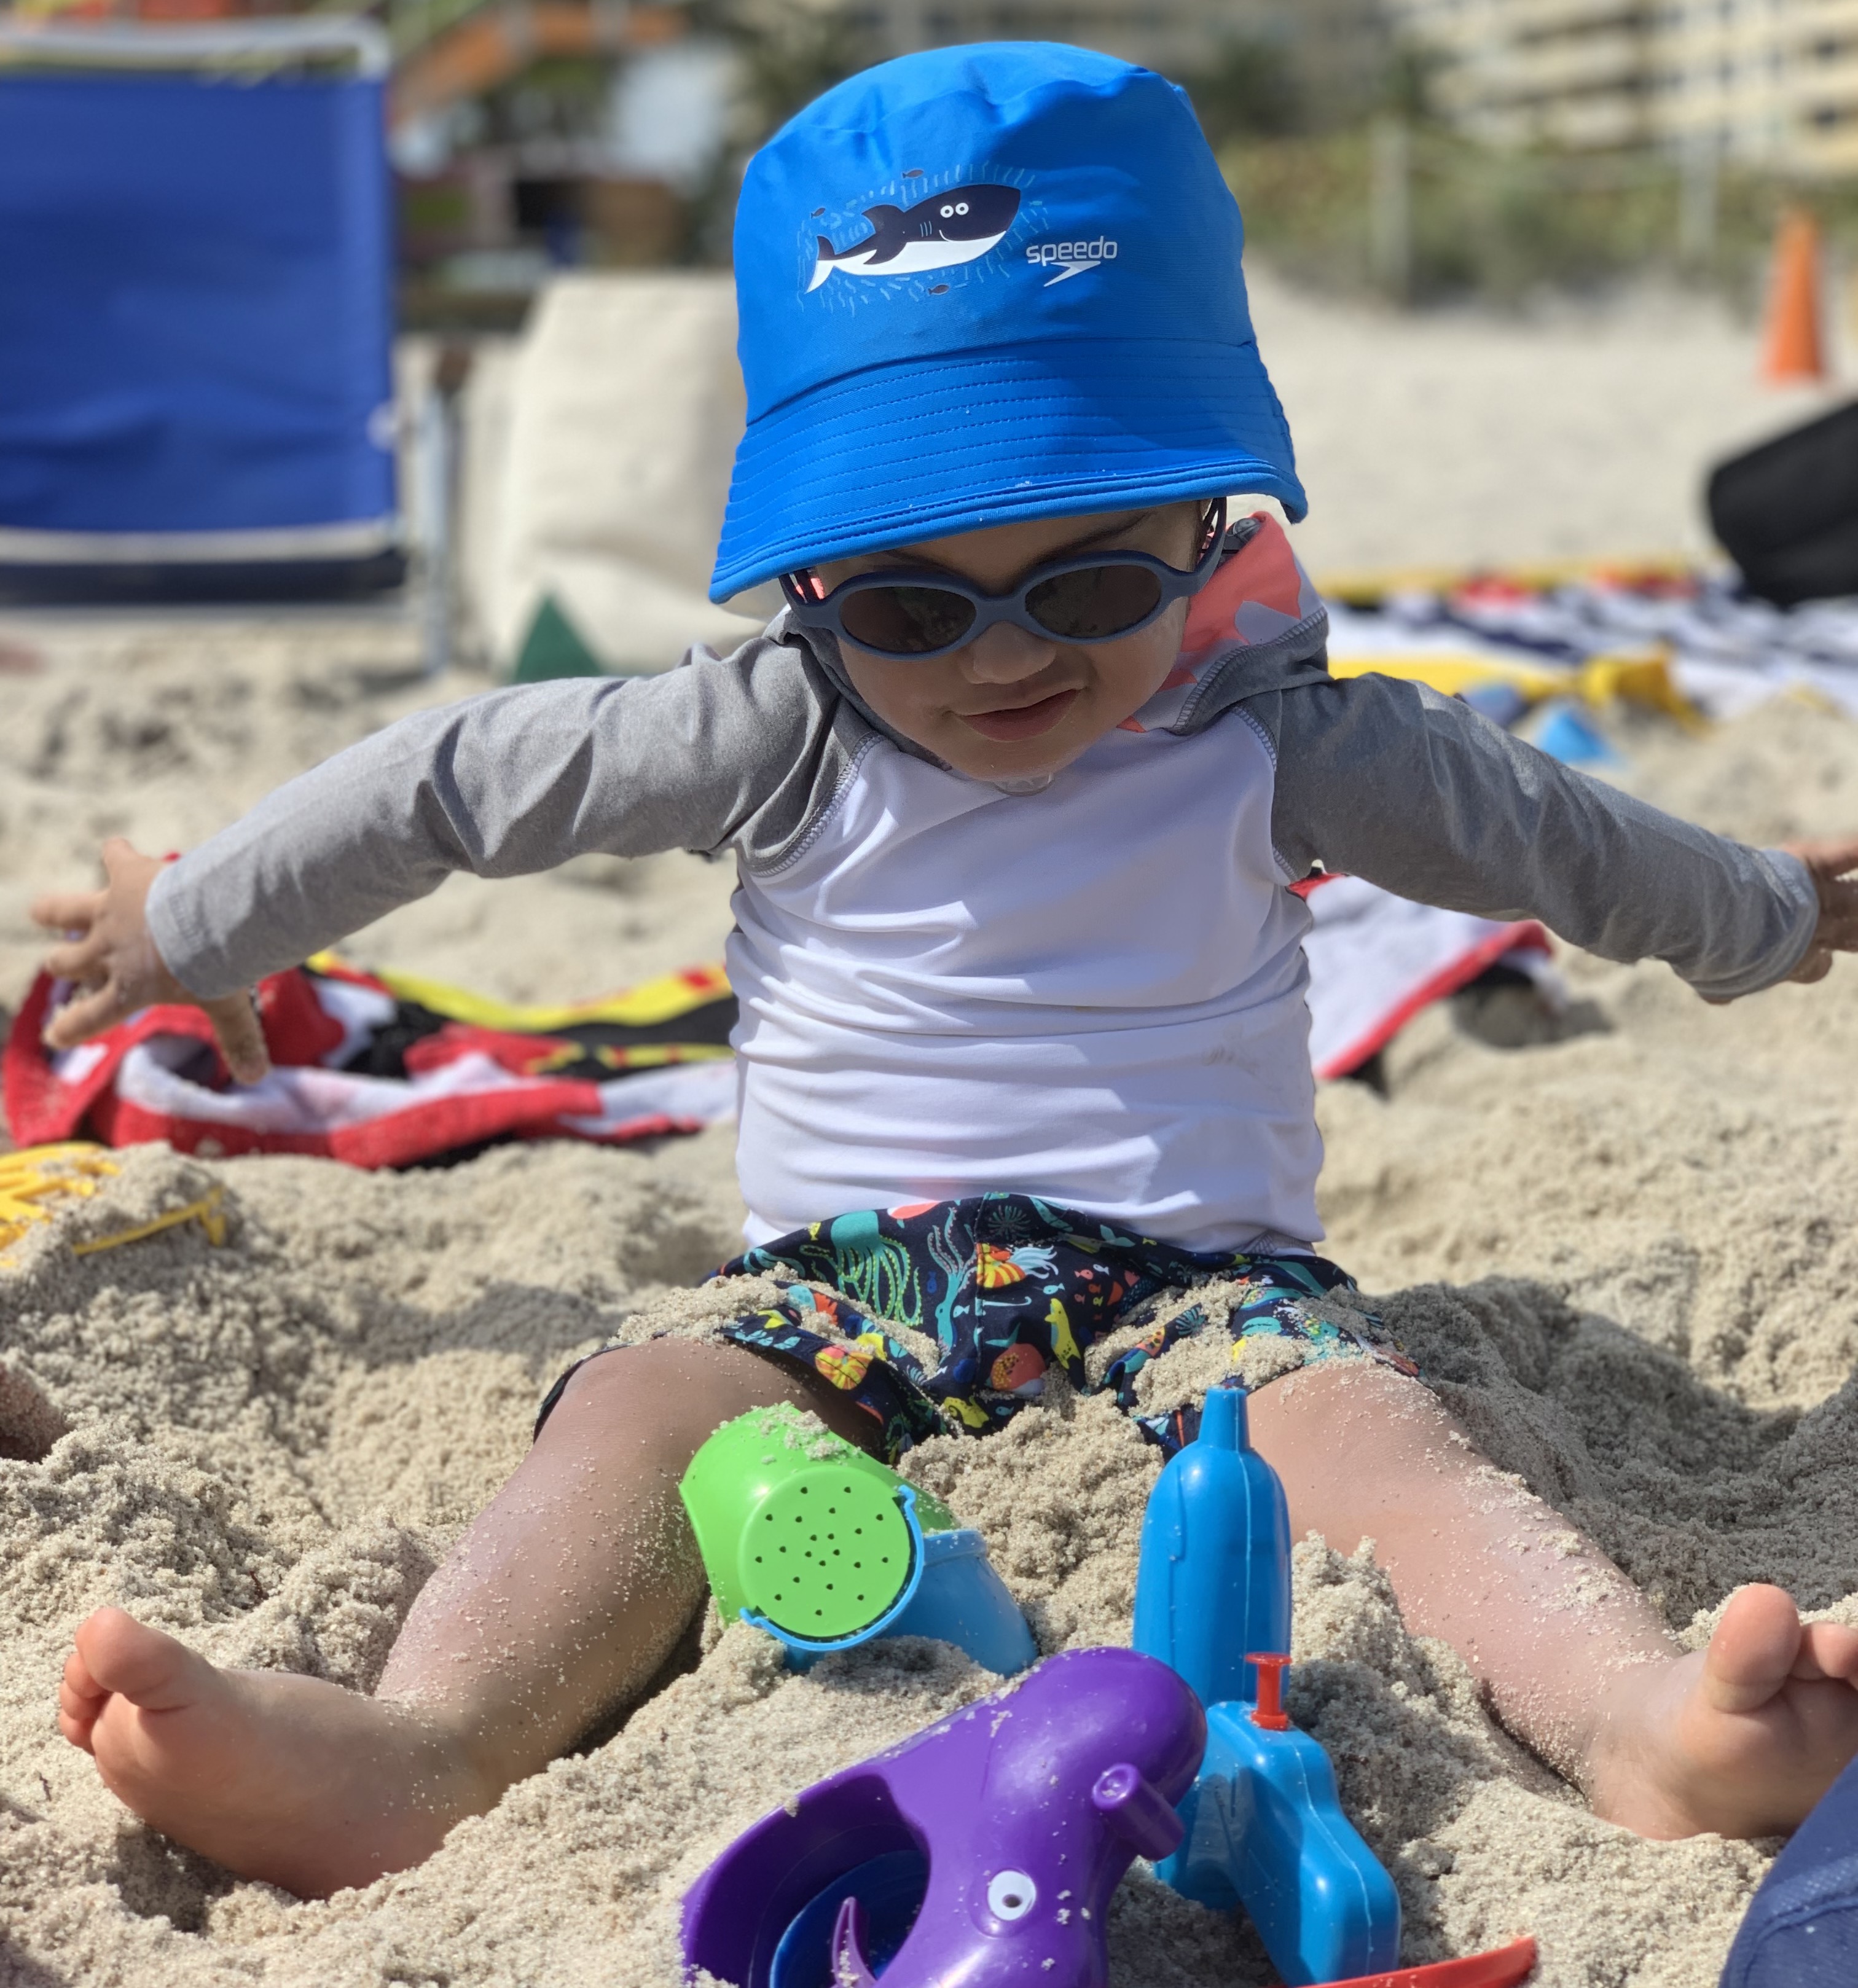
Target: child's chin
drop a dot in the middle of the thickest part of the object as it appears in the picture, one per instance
(992, 759)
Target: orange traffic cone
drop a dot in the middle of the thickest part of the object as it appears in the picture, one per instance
(1791, 347)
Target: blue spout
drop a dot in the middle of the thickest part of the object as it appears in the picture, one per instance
(1214, 1580)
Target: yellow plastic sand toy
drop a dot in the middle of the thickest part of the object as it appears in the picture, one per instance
(33, 1182)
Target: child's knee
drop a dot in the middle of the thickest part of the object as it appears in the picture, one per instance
(1357, 1400)
(662, 1380)
(676, 1391)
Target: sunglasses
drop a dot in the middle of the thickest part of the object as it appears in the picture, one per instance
(1094, 599)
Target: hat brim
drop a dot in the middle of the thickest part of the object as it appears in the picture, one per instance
(897, 454)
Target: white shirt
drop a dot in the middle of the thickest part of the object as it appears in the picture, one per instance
(1093, 993)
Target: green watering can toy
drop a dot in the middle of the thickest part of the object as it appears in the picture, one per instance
(806, 1536)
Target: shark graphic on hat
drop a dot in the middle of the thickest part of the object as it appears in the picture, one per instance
(959, 224)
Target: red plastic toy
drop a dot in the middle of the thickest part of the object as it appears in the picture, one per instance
(1502, 1967)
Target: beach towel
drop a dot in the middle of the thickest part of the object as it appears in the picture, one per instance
(1375, 960)
(1666, 636)
(385, 1069)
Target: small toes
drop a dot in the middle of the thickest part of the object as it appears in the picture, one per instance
(80, 1699)
(1827, 1650)
(77, 1681)
(78, 1731)
(82, 1707)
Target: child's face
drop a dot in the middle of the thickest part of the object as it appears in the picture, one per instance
(1012, 704)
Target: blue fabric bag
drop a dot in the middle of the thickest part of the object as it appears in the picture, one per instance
(1802, 1927)
(196, 322)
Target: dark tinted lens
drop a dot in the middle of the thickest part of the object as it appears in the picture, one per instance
(1095, 602)
(905, 620)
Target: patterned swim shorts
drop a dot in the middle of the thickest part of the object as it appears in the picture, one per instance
(1008, 1288)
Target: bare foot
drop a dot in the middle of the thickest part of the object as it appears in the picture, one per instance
(1741, 1738)
(287, 1779)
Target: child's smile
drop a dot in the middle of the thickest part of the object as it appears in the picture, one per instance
(1009, 724)
(1011, 704)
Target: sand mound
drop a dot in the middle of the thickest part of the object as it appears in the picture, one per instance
(1620, 1243)
(271, 1442)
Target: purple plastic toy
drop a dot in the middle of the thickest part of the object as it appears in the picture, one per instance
(982, 1852)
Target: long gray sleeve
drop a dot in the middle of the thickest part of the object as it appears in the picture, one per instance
(1382, 779)
(503, 785)
(1390, 781)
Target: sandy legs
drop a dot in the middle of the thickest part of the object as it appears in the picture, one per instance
(1742, 1738)
(574, 1584)
(567, 1593)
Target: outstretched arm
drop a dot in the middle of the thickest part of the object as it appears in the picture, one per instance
(1390, 781)
(503, 785)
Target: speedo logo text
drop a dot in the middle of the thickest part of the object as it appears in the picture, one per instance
(1070, 258)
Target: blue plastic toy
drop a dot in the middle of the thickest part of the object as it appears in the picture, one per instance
(1565, 735)
(961, 1600)
(954, 1597)
(1264, 1828)
(985, 1850)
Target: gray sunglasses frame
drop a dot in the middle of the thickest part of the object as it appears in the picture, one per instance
(825, 612)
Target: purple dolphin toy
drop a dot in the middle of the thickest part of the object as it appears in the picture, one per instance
(980, 1854)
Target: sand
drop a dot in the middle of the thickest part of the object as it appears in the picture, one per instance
(1619, 1242)
(271, 1442)
(1566, 430)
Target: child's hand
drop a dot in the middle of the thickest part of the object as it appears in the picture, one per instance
(111, 955)
(1830, 864)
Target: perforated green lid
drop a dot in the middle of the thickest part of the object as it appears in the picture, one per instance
(827, 1552)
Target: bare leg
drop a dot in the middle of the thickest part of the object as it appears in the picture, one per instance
(1742, 1738)
(567, 1593)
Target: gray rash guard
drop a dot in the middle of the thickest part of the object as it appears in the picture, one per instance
(747, 754)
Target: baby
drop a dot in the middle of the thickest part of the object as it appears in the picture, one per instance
(1017, 785)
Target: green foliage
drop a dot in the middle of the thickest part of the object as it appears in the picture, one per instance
(1253, 90)
(1406, 80)
(561, 97)
(1303, 66)
(790, 52)
(790, 55)
(1499, 225)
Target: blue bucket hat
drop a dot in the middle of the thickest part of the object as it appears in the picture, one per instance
(987, 284)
